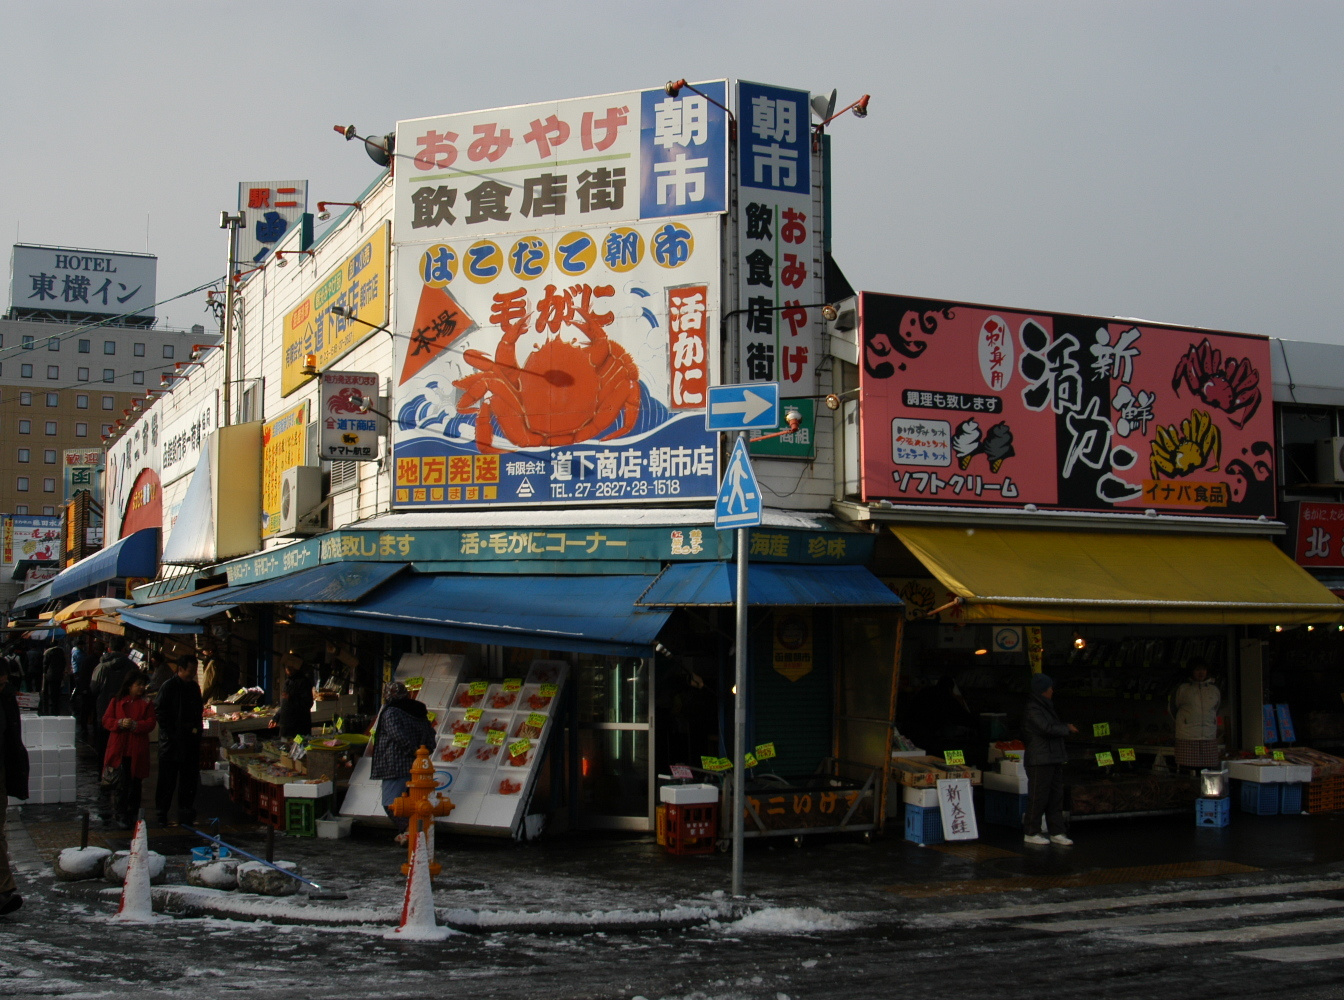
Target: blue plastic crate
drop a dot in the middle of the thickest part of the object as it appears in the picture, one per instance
(923, 826)
(1213, 812)
(1260, 798)
(1290, 798)
(1004, 808)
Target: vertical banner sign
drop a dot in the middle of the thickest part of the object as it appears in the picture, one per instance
(779, 266)
(688, 345)
(269, 209)
(284, 445)
(349, 428)
(81, 470)
(359, 285)
(793, 643)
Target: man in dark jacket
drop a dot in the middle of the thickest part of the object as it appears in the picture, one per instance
(104, 685)
(179, 710)
(14, 779)
(296, 702)
(1045, 757)
(403, 728)
(53, 679)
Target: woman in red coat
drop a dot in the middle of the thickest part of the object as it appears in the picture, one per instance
(129, 720)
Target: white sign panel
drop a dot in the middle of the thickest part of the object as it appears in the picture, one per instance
(270, 209)
(554, 382)
(61, 279)
(956, 809)
(137, 449)
(185, 435)
(349, 428)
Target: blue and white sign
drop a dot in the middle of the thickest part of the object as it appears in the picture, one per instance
(775, 151)
(754, 406)
(683, 144)
(270, 210)
(739, 501)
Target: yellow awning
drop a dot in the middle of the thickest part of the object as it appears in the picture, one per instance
(1014, 575)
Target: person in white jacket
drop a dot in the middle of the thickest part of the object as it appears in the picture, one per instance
(1194, 705)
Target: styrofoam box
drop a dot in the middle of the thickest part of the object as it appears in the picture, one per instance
(1260, 771)
(1013, 767)
(925, 798)
(688, 795)
(1298, 774)
(1017, 784)
(297, 790)
(909, 753)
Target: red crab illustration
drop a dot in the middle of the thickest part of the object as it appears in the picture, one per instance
(565, 392)
(347, 401)
(1231, 385)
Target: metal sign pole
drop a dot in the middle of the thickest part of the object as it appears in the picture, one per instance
(740, 707)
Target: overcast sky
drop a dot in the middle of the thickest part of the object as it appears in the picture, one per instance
(1173, 161)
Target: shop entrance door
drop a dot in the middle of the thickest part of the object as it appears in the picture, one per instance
(614, 761)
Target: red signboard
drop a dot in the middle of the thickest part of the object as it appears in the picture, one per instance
(144, 506)
(980, 406)
(1320, 535)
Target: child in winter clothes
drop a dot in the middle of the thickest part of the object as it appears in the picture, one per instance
(129, 720)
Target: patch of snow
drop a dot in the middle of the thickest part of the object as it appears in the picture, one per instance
(82, 862)
(789, 920)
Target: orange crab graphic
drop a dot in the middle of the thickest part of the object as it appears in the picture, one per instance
(566, 391)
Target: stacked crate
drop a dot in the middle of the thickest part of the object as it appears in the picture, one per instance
(50, 740)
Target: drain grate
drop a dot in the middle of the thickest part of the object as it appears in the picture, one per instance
(1099, 876)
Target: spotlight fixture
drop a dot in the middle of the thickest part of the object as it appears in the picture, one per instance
(323, 215)
(673, 88)
(280, 256)
(1078, 641)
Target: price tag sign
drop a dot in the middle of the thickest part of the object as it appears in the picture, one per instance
(1101, 729)
(461, 739)
(340, 723)
(716, 763)
(536, 720)
(495, 737)
(751, 759)
(1126, 754)
(1104, 759)
(765, 751)
(513, 684)
(954, 757)
(433, 717)
(682, 771)
(477, 688)
(1261, 752)
(473, 715)
(547, 690)
(414, 683)
(519, 747)
(1280, 755)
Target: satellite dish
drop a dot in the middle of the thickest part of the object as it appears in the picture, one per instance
(380, 150)
(824, 107)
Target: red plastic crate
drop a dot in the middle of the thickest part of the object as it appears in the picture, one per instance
(690, 829)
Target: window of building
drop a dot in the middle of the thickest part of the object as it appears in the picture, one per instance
(27, 342)
(51, 428)
(25, 427)
(138, 378)
(108, 402)
(22, 484)
(109, 347)
(85, 346)
(48, 510)
(82, 401)
(107, 430)
(81, 430)
(25, 371)
(53, 371)
(25, 399)
(53, 399)
(21, 509)
(82, 374)
(168, 351)
(24, 455)
(53, 343)
(49, 456)
(48, 486)
(138, 350)
(109, 375)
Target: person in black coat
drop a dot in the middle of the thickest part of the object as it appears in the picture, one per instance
(14, 779)
(104, 685)
(296, 703)
(53, 680)
(179, 709)
(1044, 759)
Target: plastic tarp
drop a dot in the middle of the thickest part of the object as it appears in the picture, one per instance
(134, 555)
(181, 617)
(1020, 575)
(777, 584)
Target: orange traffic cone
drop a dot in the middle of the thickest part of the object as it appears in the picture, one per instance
(137, 903)
(417, 909)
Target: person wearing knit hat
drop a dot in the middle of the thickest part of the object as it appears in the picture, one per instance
(1044, 759)
(403, 728)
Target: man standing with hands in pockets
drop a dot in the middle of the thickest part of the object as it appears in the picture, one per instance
(1045, 757)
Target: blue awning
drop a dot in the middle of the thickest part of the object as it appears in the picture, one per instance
(330, 583)
(33, 597)
(180, 617)
(715, 583)
(134, 555)
(587, 614)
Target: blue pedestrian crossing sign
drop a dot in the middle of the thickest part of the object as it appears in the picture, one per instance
(739, 503)
(749, 407)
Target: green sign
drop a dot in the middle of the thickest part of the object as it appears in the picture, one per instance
(512, 684)
(1280, 755)
(954, 757)
(536, 720)
(765, 751)
(461, 739)
(1261, 752)
(1101, 729)
(1104, 759)
(1126, 754)
(751, 759)
(520, 747)
(802, 443)
(716, 764)
(495, 737)
(473, 715)
(548, 690)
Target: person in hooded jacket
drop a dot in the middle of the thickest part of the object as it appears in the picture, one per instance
(1044, 759)
(104, 685)
(1194, 705)
(129, 719)
(13, 776)
(403, 728)
(178, 707)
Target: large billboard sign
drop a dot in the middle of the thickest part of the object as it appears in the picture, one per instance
(585, 163)
(30, 538)
(270, 210)
(974, 405)
(61, 279)
(577, 375)
(186, 435)
(138, 449)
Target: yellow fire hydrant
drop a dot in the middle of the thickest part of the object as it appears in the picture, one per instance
(414, 804)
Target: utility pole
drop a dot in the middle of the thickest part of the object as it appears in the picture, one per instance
(232, 223)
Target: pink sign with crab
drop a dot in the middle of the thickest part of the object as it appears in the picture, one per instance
(974, 405)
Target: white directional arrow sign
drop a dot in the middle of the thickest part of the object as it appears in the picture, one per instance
(742, 407)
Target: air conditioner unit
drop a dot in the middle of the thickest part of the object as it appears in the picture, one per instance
(300, 500)
(1330, 460)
